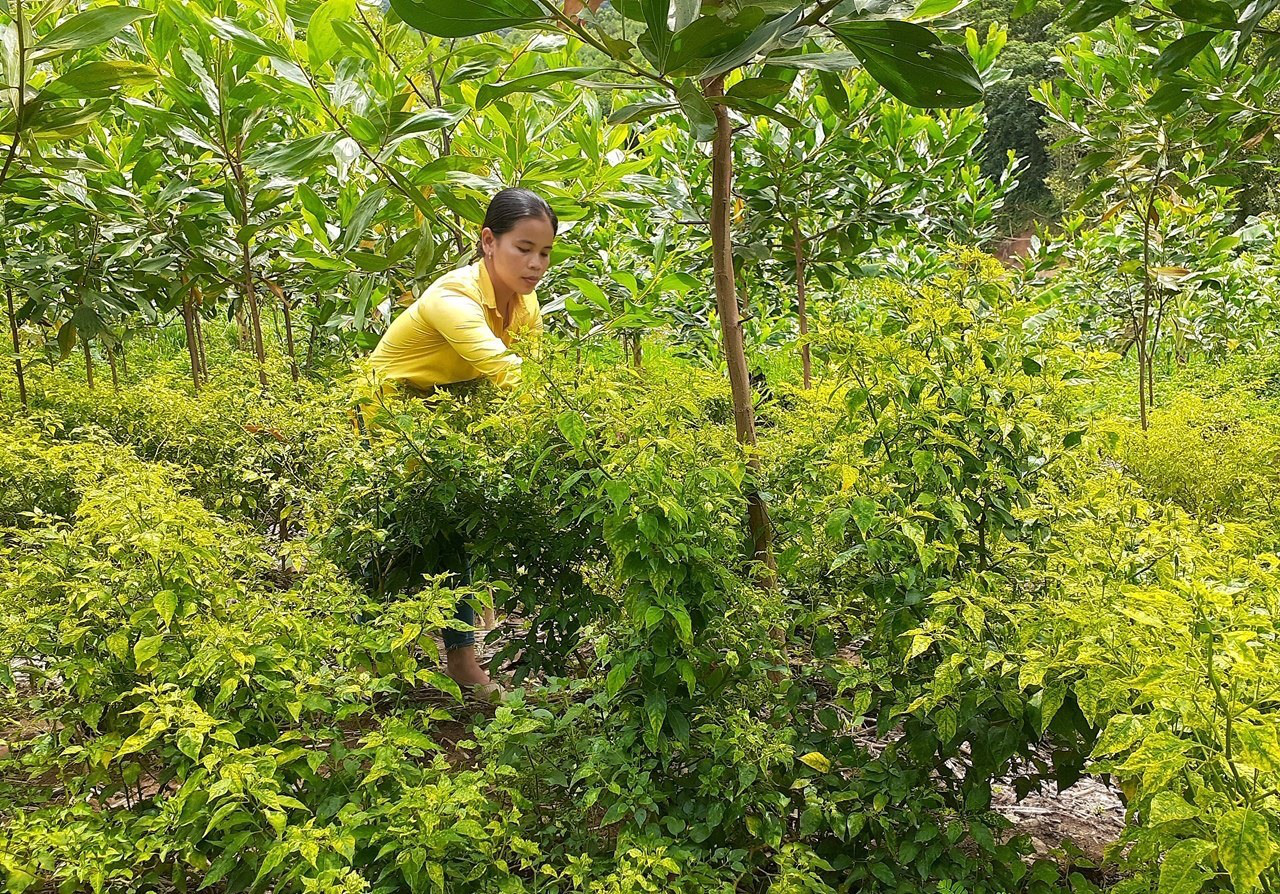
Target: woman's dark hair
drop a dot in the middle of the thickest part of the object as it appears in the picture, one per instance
(513, 205)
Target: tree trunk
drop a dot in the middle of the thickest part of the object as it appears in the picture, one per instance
(288, 339)
(193, 348)
(636, 354)
(311, 346)
(88, 360)
(1145, 349)
(115, 376)
(744, 418)
(17, 350)
(1142, 384)
(198, 320)
(255, 315)
(288, 327)
(1151, 353)
(801, 307)
(197, 323)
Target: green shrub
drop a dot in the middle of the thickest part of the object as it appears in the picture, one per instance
(1215, 457)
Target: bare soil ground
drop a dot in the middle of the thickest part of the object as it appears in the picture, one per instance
(1088, 815)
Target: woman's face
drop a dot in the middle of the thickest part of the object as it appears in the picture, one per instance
(519, 258)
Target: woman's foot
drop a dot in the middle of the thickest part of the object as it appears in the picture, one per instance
(461, 665)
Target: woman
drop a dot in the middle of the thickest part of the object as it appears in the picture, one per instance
(462, 329)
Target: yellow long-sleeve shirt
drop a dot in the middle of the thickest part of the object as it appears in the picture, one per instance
(454, 332)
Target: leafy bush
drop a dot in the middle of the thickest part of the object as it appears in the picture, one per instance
(1214, 458)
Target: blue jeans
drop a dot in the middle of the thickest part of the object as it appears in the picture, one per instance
(453, 558)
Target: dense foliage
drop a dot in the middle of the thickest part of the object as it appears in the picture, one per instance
(814, 531)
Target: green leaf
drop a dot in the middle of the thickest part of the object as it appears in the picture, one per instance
(932, 9)
(1244, 846)
(761, 40)
(751, 107)
(322, 40)
(655, 708)
(1257, 748)
(146, 167)
(1180, 870)
(833, 90)
(1178, 55)
(836, 60)
(615, 812)
(246, 41)
(910, 62)
(573, 427)
(653, 616)
(657, 39)
(1214, 13)
(1166, 807)
(616, 679)
(361, 216)
(442, 682)
(118, 645)
(427, 121)
(709, 37)
(165, 603)
(98, 79)
(641, 111)
(758, 88)
(698, 112)
(464, 18)
(469, 71)
(190, 742)
(684, 624)
(89, 28)
(292, 156)
(530, 83)
(1253, 14)
(1170, 97)
(1092, 13)
(147, 648)
(863, 512)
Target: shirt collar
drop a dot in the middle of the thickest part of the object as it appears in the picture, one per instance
(486, 285)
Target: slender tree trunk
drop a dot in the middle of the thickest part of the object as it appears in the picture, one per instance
(88, 360)
(1144, 328)
(311, 345)
(1151, 362)
(193, 349)
(255, 315)
(802, 312)
(124, 358)
(636, 354)
(115, 376)
(198, 320)
(744, 418)
(288, 327)
(17, 349)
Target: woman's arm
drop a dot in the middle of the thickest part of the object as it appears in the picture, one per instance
(462, 323)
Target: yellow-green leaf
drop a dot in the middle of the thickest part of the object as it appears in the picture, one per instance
(1244, 846)
(1180, 870)
(817, 760)
(147, 648)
